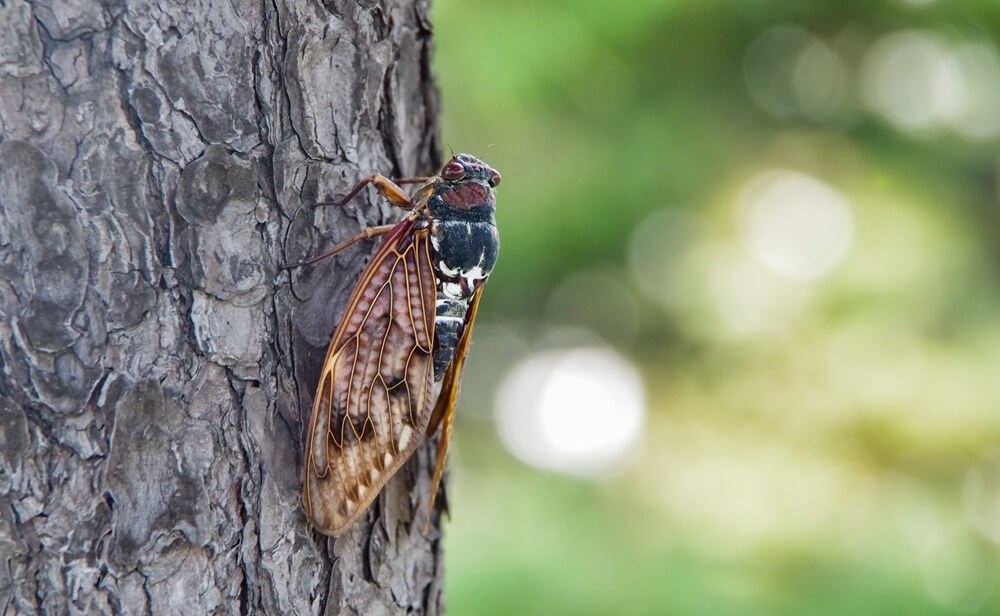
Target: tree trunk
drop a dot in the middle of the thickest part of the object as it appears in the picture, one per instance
(157, 163)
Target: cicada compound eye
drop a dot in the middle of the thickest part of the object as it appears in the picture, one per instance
(453, 171)
(494, 179)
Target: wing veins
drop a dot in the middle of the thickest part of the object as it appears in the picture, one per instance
(341, 498)
(356, 338)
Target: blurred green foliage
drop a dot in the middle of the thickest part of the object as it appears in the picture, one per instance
(820, 446)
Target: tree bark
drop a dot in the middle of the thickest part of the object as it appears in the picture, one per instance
(157, 163)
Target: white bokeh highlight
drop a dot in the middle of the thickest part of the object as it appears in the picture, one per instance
(577, 411)
(921, 82)
(794, 225)
(911, 79)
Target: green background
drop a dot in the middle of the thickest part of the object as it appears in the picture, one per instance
(817, 446)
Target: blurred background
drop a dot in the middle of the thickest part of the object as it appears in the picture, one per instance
(741, 354)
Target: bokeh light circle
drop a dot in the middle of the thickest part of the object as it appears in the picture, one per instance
(911, 78)
(578, 411)
(795, 225)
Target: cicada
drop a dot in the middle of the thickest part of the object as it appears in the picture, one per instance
(393, 368)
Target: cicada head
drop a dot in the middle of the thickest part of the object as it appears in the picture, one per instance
(465, 167)
(465, 189)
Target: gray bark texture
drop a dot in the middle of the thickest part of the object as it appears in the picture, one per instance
(158, 159)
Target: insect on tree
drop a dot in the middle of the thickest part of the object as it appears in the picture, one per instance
(393, 368)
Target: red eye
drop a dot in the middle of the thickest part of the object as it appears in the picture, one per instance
(494, 179)
(453, 171)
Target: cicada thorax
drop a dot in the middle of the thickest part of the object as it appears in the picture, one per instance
(465, 245)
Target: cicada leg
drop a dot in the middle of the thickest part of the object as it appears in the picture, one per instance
(389, 190)
(387, 187)
(367, 234)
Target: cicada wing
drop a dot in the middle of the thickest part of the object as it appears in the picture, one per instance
(375, 394)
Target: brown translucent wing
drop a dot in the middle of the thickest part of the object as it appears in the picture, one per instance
(444, 410)
(375, 394)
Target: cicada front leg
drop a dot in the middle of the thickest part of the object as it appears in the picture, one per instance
(389, 189)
